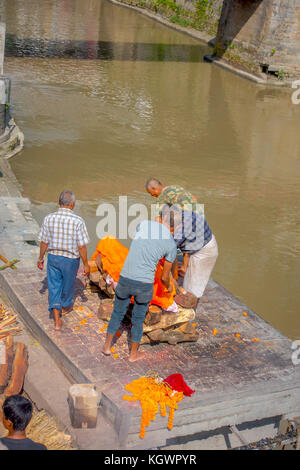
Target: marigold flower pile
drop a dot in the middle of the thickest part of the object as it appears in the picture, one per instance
(152, 395)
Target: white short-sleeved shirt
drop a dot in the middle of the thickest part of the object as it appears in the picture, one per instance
(64, 231)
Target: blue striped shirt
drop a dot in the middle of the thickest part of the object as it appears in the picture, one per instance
(193, 233)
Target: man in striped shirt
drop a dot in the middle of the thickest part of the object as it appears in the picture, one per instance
(193, 235)
(197, 243)
(64, 236)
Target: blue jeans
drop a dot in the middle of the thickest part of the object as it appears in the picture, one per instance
(143, 293)
(61, 275)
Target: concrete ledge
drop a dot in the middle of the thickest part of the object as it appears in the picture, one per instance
(243, 73)
(74, 374)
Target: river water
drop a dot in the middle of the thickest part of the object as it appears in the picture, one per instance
(107, 97)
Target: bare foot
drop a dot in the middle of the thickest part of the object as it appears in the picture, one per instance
(65, 310)
(136, 356)
(58, 325)
(105, 352)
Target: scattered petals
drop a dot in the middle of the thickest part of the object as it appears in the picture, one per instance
(245, 314)
(255, 339)
(215, 331)
(237, 335)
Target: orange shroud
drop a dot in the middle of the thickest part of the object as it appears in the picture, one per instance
(113, 256)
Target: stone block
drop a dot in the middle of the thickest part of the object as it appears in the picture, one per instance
(83, 402)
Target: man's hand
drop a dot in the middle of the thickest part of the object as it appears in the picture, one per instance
(83, 256)
(182, 271)
(40, 264)
(166, 274)
(43, 249)
(86, 269)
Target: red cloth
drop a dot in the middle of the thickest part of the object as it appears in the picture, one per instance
(177, 383)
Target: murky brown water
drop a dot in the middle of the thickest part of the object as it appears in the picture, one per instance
(111, 98)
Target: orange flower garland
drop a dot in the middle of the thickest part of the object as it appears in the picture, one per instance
(152, 394)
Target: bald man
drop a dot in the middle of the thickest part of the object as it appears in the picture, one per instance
(172, 195)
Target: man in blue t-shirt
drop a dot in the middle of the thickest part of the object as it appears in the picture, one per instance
(152, 242)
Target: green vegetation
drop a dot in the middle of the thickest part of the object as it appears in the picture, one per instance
(239, 55)
(202, 14)
(181, 21)
(281, 75)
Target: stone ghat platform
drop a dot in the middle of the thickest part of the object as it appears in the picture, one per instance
(237, 379)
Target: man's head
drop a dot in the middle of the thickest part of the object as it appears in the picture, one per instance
(171, 217)
(154, 187)
(17, 412)
(67, 199)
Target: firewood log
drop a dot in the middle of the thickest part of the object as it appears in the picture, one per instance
(105, 309)
(19, 369)
(153, 315)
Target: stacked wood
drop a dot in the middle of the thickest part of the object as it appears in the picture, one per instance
(171, 328)
(12, 372)
(170, 319)
(159, 325)
(8, 323)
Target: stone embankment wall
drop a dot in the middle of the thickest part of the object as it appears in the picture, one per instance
(202, 15)
(261, 35)
(258, 36)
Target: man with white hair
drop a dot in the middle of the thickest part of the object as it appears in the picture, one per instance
(64, 236)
